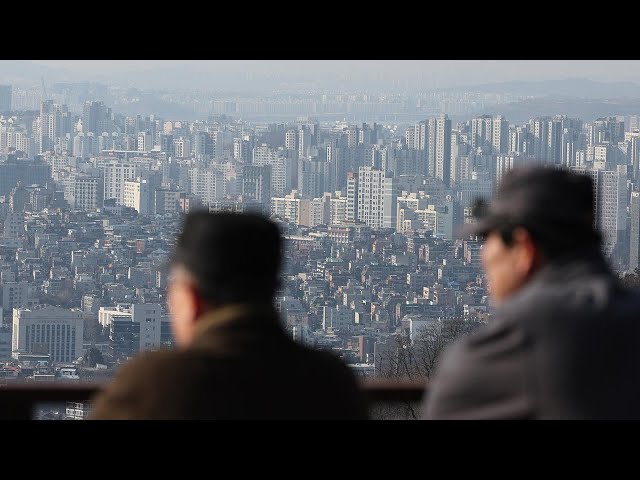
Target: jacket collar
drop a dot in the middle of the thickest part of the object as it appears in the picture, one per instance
(577, 270)
(578, 265)
(231, 325)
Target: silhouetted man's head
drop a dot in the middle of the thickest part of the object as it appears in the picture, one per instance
(221, 259)
(538, 215)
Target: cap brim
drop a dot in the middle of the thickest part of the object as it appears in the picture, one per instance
(480, 227)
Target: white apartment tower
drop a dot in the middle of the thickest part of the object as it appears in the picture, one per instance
(439, 148)
(610, 195)
(145, 142)
(539, 132)
(115, 176)
(181, 147)
(351, 213)
(338, 209)
(634, 237)
(206, 183)
(481, 132)
(290, 139)
(371, 190)
(633, 152)
(417, 138)
(500, 135)
(107, 314)
(46, 126)
(505, 163)
(263, 155)
(288, 207)
(137, 195)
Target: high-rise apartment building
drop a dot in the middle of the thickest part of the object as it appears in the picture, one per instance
(351, 213)
(53, 123)
(289, 207)
(371, 190)
(416, 139)
(439, 148)
(504, 163)
(634, 234)
(610, 195)
(482, 132)
(141, 196)
(96, 118)
(15, 295)
(633, 153)
(314, 178)
(88, 193)
(207, 184)
(473, 190)
(166, 201)
(519, 141)
(500, 135)
(280, 178)
(539, 137)
(115, 176)
(256, 183)
(29, 172)
(5, 98)
(149, 317)
(145, 142)
(13, 225)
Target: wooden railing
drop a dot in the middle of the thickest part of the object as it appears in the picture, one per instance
(18, 401)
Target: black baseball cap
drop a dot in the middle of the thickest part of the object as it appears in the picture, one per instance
(554, 204)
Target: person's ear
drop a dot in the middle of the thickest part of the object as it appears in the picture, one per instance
(193, 302)
(199, 304)
(526, 251)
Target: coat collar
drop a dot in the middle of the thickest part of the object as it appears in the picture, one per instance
(231, 326)
(572, 273)
(580, 264)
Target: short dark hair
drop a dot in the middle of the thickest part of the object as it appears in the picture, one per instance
(234, 257)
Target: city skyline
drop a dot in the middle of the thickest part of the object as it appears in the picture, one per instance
(369, 191)
(414, 74)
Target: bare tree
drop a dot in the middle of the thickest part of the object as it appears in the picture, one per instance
(417, 359)
(631, 280)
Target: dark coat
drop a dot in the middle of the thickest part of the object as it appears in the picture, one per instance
(566, 346)
(241, 365)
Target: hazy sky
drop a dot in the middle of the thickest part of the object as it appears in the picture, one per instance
(438, 70)
(338, 75)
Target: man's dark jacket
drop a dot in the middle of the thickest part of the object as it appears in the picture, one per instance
(241, 365)
(565, 346)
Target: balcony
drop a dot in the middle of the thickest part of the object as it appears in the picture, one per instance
(20, 401)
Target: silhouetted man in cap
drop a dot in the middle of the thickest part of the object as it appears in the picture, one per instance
(234, 360)
(564, 342)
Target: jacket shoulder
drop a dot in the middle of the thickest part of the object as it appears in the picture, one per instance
(135, 385)
(148, 363)
(483, 375)
(325, 372)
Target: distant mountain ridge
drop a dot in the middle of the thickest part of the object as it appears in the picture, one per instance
(568, 87)
(587, 110)
(177, 77)
(150, 104)
(24, 72)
